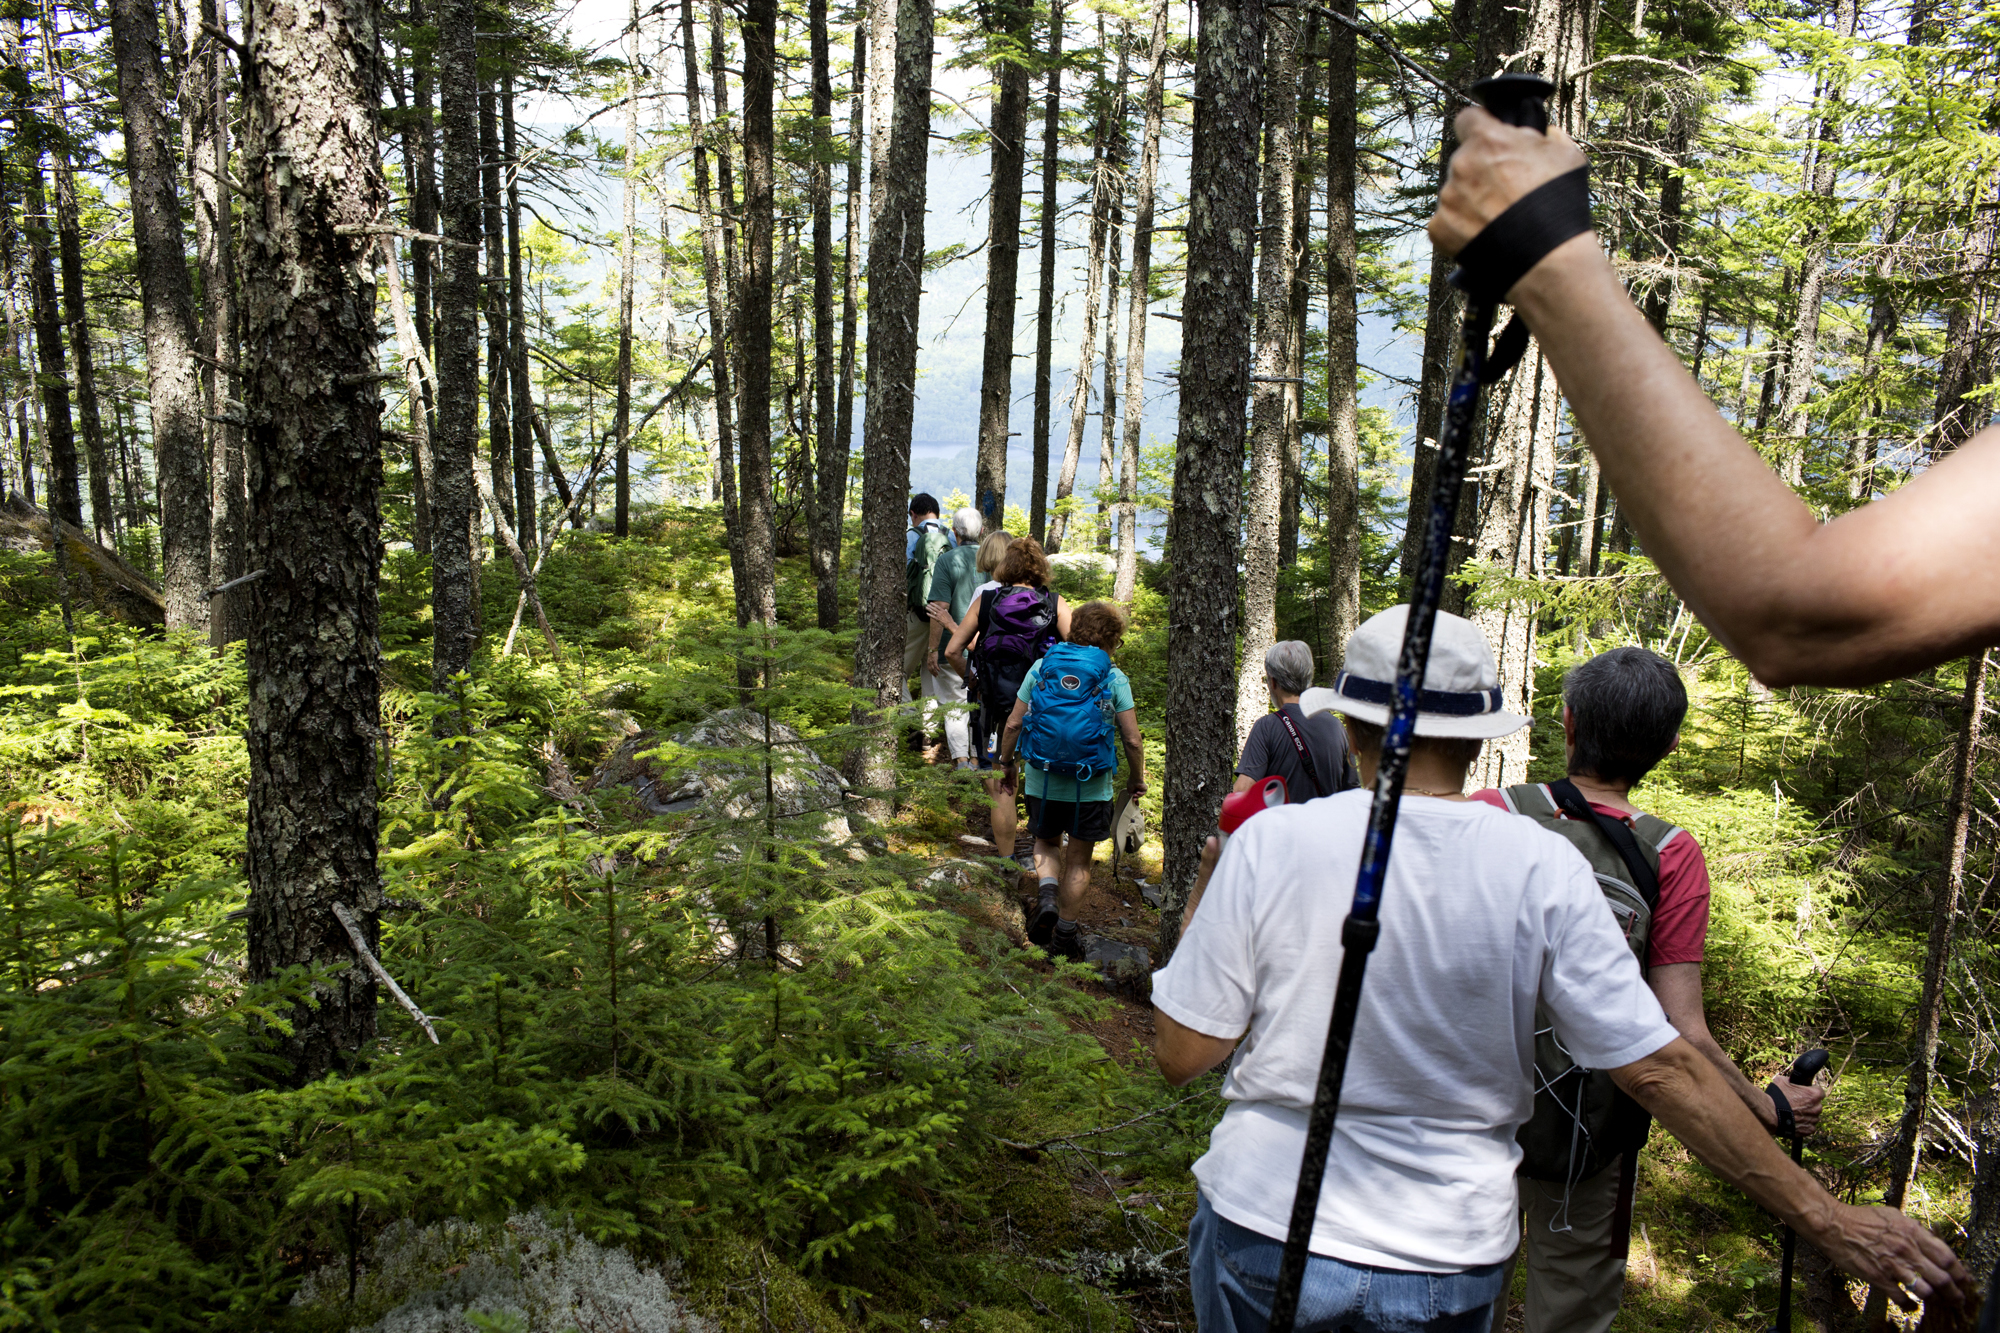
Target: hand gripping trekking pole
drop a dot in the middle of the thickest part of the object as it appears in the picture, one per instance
(1804, 1070)
(1518, 100)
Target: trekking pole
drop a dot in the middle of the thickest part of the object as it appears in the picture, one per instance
(1804, 1070)
(1516, 99)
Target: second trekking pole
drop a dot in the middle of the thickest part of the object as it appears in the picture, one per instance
(1516, 99)
(1803, 1071)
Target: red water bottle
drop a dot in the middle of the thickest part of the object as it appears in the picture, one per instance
(1240, 805)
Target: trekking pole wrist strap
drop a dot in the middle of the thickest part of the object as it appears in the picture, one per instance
(1788, 1127)
(1520, 238)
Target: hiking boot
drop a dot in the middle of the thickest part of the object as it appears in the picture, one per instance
(1043, 926)
(1066, 944)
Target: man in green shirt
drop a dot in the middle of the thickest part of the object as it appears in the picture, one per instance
(952, 584)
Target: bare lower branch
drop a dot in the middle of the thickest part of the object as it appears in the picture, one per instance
(360, 942)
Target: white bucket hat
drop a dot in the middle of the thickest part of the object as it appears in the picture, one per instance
(1461, 693)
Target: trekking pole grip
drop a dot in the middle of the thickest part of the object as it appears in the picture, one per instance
(1803, 1071)
(1806, 1068)
(1517, 99)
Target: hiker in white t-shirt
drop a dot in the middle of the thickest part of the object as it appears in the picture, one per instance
(1482, 913)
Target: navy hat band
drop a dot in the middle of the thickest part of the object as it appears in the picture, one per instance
(1444, 703)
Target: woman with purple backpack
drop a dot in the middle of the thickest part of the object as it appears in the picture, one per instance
(1008, 627)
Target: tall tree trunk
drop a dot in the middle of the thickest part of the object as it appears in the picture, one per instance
(1011, 37)
(726, 214)
(831, 489)
(418, 370)
(1107, 416)
(716, 282)
(420, 162)
(1045, 298)
(173, 383)
(1125, 583)
(1658, 299)
(1301, 297)
(834, 461)
(760, 571)
(1264, 489)
(1514, 490)
(214, 208)
(1968, 367)
(729, 213)
(1118, 142)
(499, 489)
(883, 26)
(1820, 175)
(1208, 464)
(14, 376)
(1343, 424)
(1093, 296)
(1485, 28)
(315, 473)
(621, 514)
(52, 382)
(1907, 1146)
(526, 497)
(1968, 361)
(895, 288)
(454, 606)
(76, 319)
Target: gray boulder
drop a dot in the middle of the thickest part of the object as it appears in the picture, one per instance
(716, 768)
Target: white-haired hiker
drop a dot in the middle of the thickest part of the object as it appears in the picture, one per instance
(1484, 914)
(1307, 749)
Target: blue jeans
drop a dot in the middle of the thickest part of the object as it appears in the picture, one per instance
(1235, 1275)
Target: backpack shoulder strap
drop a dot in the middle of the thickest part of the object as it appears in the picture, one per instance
(1644, 877)
(1307, 764)
(1529, 798)
(1656, 833)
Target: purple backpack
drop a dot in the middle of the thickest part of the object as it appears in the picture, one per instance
(1016, 626)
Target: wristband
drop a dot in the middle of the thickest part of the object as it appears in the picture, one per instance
(1520, 238)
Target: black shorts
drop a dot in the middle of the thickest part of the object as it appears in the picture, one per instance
(1085, 821)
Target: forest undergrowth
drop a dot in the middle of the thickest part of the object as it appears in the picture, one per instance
(794, 1060)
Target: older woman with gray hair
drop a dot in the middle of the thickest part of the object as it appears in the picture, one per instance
(1307, 748)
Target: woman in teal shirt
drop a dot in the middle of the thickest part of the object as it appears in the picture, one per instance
(1070, 816)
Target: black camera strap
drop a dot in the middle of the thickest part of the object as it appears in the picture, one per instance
(1305, 754)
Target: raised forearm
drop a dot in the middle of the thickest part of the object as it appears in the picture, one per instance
(1875, 593)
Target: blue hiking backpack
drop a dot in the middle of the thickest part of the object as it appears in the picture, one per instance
(1069, 727)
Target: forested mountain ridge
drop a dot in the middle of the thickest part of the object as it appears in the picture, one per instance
(530, 588)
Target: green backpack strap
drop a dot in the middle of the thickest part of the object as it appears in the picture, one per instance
(1531, 799)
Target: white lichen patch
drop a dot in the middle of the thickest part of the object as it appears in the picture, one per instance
(531, 1275)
